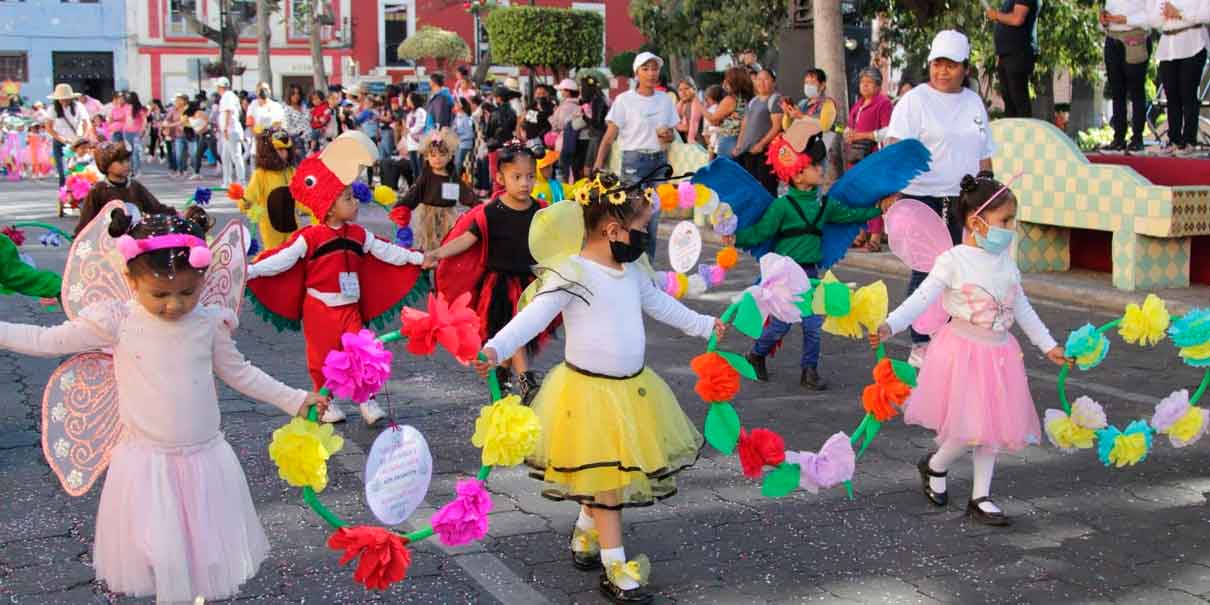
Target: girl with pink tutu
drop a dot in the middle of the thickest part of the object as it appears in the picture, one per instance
(176, 519)
(972, 388)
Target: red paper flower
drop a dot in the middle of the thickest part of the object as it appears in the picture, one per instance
(455, 326)
(384, 555)
(883, 398)
(716, 379)
(401, 216)
(758, 449)
(235, 192)
(15, 234)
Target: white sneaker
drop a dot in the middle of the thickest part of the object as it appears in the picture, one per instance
(334, 414)
(916, 359)
(371, 413)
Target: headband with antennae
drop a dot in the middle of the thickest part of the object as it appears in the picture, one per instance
(1000, 191)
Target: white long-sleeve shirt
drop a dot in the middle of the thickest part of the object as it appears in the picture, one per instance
(1135, 12)
(606, 334)
(1185, 44)
(282, 261)
(977, 287)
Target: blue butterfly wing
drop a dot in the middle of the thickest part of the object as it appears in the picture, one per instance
(746, 196)
(881, 174)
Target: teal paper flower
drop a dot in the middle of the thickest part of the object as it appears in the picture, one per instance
(1087, 346)
(1124, 448)
(1191, 334)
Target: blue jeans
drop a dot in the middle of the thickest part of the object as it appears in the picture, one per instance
(57, 149)
(135, 142)
(185, 152)
(637, 165)
(776, 329)
(938, 204)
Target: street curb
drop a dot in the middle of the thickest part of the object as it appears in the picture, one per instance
(1052, 287)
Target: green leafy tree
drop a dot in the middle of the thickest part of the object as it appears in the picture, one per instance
(708, 28)
(557, 39)
(435, 43)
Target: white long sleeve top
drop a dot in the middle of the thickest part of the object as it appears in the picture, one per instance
(977, 287)
(605, 333)
(1187, 43)
(1135, 12)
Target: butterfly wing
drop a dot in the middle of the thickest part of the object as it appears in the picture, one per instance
(881, 174)
(932, 319)
(224, 282)
(916, 234)
(80, 422)
(95, 269)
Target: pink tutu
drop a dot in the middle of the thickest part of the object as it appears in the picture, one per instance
(177, 522)
(972, 390)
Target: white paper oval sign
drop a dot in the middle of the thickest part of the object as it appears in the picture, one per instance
(398, 472)
(684, 247)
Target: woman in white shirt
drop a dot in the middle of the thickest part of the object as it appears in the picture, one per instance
(1127, 54)
(951, 121)
(67, 122)
(1182, 54)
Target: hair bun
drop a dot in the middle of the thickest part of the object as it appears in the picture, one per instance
(197, 215)
(119, 223)
(968, 184)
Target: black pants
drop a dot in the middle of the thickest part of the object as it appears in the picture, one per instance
(1126, 81)
(57, 150)
(1181, 78)
(760, 170)
(1014, 71)
(946, 207)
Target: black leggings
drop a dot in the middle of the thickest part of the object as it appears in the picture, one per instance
(1181, 78)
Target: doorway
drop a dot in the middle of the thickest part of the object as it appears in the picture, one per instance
(90, 73)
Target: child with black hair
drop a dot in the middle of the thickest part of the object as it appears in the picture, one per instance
(487, 254)
(113, 160)
(176, 519)
(436, 194)
(274, 215)
(972, 388)
(613, 435)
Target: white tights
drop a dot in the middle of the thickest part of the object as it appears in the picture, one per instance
(984, 460)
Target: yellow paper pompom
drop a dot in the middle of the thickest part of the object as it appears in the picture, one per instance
(301, 450)
(669, 197)
(682, 285)
(1093, 357)
(1068, 435)
(868, 309)
(1145, 325)
(1189, 428)
(727, 258)
(1198, 356)
(701, 195)
(385, 196)
(1128, 449)
(255, 213)
(506, 431)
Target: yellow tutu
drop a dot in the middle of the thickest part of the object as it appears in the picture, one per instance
(604, 434)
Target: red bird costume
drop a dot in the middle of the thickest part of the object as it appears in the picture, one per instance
(317, 277)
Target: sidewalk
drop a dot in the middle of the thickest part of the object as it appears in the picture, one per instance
(1082, 288)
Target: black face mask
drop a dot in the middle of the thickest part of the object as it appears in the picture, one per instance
(628, 253)
(263, 94)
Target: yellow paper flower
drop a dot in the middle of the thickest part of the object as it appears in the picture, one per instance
(1189, 428)
(1145, 325)
(1066, 434)
(385, 196)
(1128, 449)
(301, 450)
(1198, 356)
(1093, 357)
(701, 195)
(867, 307)
(507, 431)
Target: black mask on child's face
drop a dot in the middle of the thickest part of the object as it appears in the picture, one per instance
(629, 252)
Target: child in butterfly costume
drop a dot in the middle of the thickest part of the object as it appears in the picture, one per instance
(336, 277)
(176, 519)
(972, 388)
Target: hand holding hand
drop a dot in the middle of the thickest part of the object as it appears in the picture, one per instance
(320, 402)
(430, 261)
(880, 336)
(483, 367)
(720, 329)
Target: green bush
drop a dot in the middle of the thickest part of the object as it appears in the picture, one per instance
(622, 64)
(552, 37)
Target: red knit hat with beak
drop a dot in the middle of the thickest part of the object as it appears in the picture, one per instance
(799, 146)
(323, 176)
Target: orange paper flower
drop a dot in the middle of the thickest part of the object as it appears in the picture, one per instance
(669, 197)
(716, 379)
(886, 395)
(727, 257)
(235, 192)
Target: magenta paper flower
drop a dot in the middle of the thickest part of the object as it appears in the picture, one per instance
(453, 326)
(686, 194)
(465, 519)
(79, 186)
(360, 370)
(782, 285)
(833, 465)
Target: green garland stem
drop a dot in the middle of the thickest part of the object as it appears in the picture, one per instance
(1201, 389)
(1066, 370)
(41, 225)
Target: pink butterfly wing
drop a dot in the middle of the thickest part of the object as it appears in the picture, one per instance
(94, 270)
(932, 319)
(80, 422)
(916, 234)
(224, 282)
(986, 311)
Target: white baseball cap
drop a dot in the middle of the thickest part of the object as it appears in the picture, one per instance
(950, 44)
(223, 82)
(568, 84)
(643, 58)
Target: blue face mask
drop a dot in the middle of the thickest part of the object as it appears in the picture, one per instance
(997, 241)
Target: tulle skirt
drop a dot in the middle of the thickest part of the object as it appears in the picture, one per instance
(177, 523)
(972, 390)
(430, 224)
(626, 436)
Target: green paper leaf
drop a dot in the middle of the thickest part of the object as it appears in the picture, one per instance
(712, 344)
(722, 427)
(748, 319)
(740, 364)
(804, 305)
(870, 433)
(837, 299)
(781, 480)
(904, 372)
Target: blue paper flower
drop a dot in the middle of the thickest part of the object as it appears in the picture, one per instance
(404, 237)
(1124, 448)
(361, 192)
(253, 247)
(1087, 346)
(201, 196)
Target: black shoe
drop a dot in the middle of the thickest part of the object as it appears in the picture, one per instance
(1117, 146)
(936, 498)
(811, 381)
(504, 377)
(617, 595)
(758, 364)
(1135, 146)
(981, 516)
(527, 387)
(586, 561)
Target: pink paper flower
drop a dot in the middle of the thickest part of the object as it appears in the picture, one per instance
(833, 465)
(465, 519)
(712, 274)
(360, 370)
(686, 194)
(453, 326)
(79, 186)
(782, 285)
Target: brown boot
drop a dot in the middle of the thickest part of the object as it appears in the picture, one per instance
(758, 364)
(811, 381)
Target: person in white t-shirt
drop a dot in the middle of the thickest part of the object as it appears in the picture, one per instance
(263, 113)
(951, 121)
(643, 122)
(230, 134)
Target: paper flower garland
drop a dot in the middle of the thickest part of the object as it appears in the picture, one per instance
(15, 234)
(301, 450)
(384, 555)
(360, 369)
(723, 222)
(717, 381)
(507, 431)
(361, 192)
(1083, 425)
(883, 399)
(455, 326)
(385, 196)
(465, 519)
(783, 285)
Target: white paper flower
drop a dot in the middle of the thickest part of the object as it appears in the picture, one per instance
(1088, 414)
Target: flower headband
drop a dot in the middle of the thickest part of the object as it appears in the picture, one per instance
(603, 186)
(281, 140)
(199, 252)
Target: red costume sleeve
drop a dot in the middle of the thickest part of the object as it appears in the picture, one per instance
(278, 299)
(459, 274)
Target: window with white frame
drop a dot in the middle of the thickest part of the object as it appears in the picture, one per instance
(599, 8)
(14, 65)
(174, 17)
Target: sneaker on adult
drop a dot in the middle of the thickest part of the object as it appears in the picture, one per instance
(371, 412)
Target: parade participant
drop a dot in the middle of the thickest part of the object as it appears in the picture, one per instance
(437, 193)
(68, 121)
(547, 186)
(334, 276)
(173, 480)
(487, 254)
(613, 434)
(972, 388)
(113, 160)
(795, 221)
(1127, 55)
(274, 168)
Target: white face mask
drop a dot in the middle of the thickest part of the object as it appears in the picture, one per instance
(810, 90)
